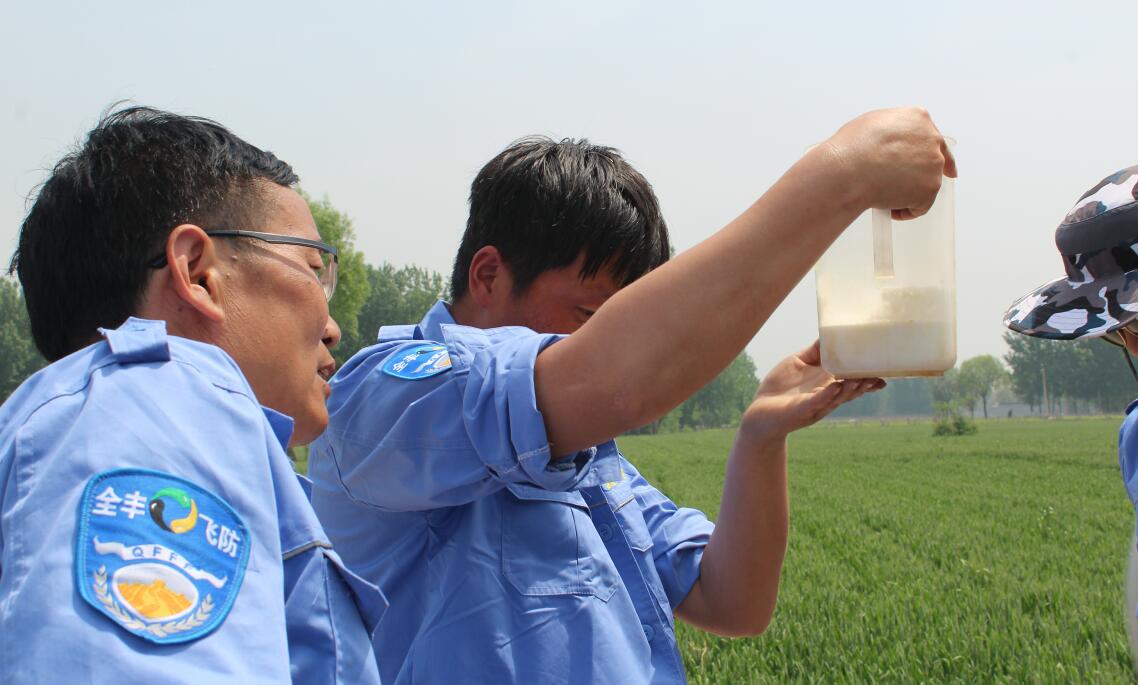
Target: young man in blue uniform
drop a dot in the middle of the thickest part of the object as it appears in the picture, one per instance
(470, 466)
(151, 527)
(1097, 298)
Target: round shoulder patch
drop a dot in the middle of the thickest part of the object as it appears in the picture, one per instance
(414, 362)
(158, 555)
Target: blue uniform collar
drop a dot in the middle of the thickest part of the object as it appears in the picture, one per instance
(138, 341)
(145, 340)
(1131, 406)
(432, 324)
(281, 424)
(430, 328)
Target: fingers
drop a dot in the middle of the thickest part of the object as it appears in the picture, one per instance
(945, 151)
(812, 356)
(809, 408)
(948, 169)
(912, 212)
(949, 160)
(904, 158)
(831, 392)
(850, 389)
(830, 397)
(863, 386)
(919, 209)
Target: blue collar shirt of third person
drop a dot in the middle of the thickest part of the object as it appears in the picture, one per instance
(1128, 452)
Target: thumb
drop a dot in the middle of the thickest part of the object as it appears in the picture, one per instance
(949, 160)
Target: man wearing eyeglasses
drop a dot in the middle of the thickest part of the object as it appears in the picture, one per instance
(1097, 298)
(151, 526)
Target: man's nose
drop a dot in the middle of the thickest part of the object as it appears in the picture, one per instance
(331, 333)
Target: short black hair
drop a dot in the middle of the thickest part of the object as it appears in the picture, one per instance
(543, 203)
(108, 207)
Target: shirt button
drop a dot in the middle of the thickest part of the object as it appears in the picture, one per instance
(606, 532)
(649, 632)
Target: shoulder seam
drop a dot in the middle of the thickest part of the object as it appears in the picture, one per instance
(80, 387)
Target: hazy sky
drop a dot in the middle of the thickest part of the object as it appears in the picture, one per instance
(389, 110)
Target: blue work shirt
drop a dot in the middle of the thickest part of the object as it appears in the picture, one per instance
(137, 411)
(1128, 452)
(502, 565)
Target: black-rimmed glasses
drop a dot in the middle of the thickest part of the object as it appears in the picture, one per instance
(329, 257)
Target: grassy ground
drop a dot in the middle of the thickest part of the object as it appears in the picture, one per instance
(997, 557)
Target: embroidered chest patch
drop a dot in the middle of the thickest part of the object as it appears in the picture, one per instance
(414, 362)
(158, 555)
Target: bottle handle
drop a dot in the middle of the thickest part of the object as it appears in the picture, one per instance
(882, 243)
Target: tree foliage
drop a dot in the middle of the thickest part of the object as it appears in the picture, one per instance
(397, 295)
(352, 287)
(979, 377)
(18, 356)
(1091, 372)
(948, 421)
(946, 389)
(722, 401)
(719, 403)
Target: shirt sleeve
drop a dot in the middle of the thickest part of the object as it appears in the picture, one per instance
(160, 418)
(679, 536)
(413, 445)
(1128, 453)
(329, 641)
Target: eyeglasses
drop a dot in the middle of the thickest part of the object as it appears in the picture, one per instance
(329, 257)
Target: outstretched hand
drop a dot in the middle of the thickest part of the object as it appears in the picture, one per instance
(797, 393)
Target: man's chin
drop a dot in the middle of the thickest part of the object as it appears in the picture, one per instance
(308, 428)
(303, 435)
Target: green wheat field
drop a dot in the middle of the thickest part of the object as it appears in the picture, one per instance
(997, 557)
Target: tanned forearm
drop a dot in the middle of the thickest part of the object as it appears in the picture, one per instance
(739, 575)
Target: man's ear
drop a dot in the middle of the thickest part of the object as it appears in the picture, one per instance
(195, 278)
(489, 279)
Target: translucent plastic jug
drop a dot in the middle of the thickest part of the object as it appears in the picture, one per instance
(887, 295)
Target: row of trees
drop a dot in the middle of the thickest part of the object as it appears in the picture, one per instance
(973, 383)
(1059, 377)
(1050, 377)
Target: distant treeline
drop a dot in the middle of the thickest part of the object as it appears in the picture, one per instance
(1041, 376)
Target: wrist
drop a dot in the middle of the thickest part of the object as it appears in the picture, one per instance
(834, 165)
(847, 180)
(764, 440)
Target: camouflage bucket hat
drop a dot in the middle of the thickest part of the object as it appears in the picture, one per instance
(1099, 243)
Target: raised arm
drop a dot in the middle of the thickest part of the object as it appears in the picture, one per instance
(660, 339)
